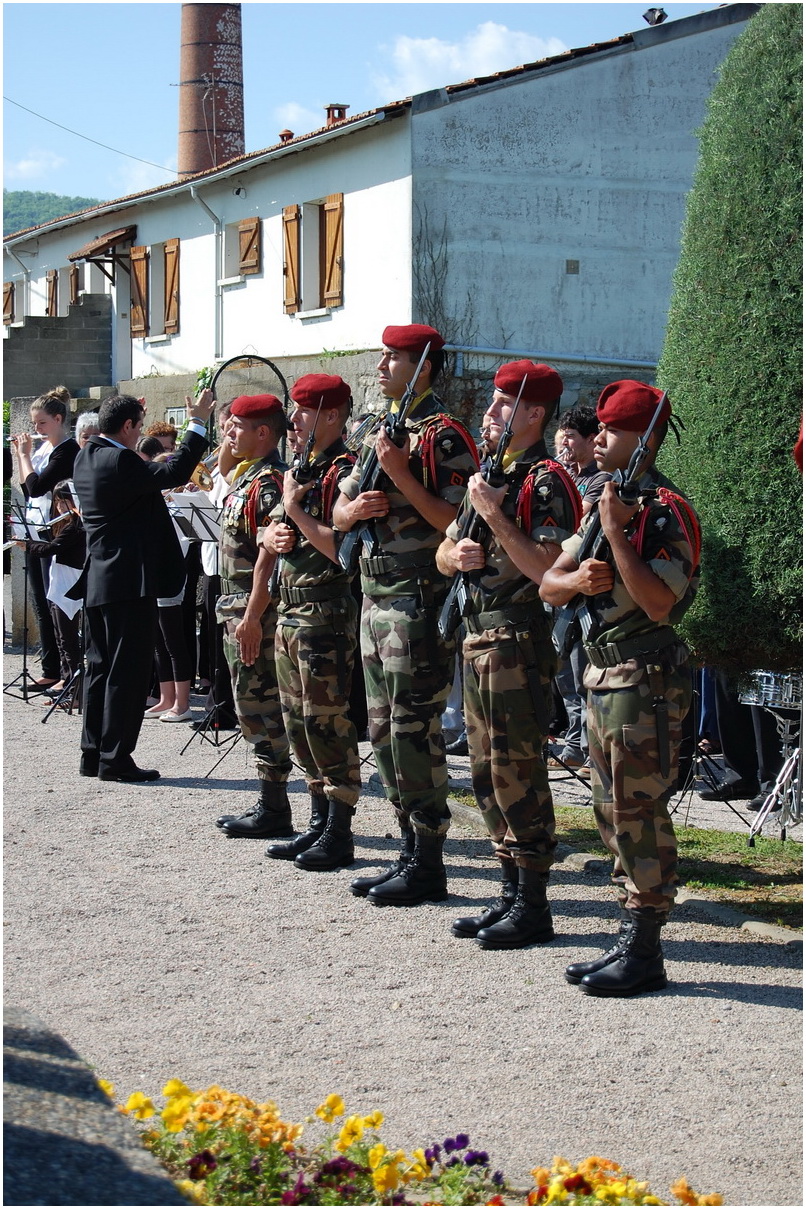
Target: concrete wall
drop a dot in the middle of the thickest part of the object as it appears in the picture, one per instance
(588, 162)
(74, 349)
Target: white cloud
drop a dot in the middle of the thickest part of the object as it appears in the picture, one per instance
(418, 64)
(134, 177)
(36, 166)
(297, 118)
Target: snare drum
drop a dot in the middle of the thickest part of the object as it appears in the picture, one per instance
(774, 690)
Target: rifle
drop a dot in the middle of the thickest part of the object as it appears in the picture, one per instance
(303, 473)
(575, 620)
(457, 602)
(394, 424)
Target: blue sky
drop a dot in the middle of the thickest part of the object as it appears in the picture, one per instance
(109, 71)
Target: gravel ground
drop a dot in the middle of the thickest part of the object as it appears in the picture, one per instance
(158, 948)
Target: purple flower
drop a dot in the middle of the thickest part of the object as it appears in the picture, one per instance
(497, 1178)
(450, 1145)
(345, 1190)
(454, 1161)
(462, 1140)
(340, 1166)
(201, 1164)
(254, 1165)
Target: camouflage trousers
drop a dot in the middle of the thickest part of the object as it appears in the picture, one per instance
(256, 695)
(630, 794)
(315, 694)
(408, 670)
(506, 739)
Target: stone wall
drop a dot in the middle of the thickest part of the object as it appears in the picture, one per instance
(74, 349)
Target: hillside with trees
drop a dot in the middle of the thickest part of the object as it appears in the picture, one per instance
(732, 361)
(24, 208)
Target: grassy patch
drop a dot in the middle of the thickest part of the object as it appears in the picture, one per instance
(766, 881)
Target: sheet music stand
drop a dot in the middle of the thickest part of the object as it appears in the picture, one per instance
(25, 531)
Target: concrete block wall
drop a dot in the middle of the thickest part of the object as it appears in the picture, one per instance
(74, 349)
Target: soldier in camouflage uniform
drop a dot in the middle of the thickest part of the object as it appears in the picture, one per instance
(638, 681)
(317, 630)
(257, 423)
(508, 653)
(408, 668)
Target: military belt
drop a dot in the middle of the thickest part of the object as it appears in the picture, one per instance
(475, 623)
(611, 654)
(387, 564)
(316, 592)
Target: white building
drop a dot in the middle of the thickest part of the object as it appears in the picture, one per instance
(535, 211)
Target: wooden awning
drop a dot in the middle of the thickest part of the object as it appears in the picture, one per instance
(105, 251)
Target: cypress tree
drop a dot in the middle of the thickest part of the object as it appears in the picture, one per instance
(732, 357)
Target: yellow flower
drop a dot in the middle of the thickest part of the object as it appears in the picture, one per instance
(540, 1175)
(351, 1131)
(333, 1107)
(175, 1087)
(376, 1154)
(176, 1112)
(374, 1120)
(106, 1087)
(651, 1200)
(386, 1177)
(140, 1105)
(193, 1190)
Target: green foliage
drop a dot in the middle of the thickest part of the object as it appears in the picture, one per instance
(732, 357)
(24, 208)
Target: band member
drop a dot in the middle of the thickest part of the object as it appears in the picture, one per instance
(638, 681)
(509, 656)
(257, 422)
(317, 625)
(408, 667)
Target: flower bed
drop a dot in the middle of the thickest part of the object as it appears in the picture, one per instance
(224, 1149)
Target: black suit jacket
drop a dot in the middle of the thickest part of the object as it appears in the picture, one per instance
(132, 547)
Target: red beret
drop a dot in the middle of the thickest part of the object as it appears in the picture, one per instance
(330, 388)
(412, 338)
(630, 405)
(255, 405)
(543, 384)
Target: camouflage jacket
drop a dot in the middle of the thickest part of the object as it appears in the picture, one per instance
(403, 531)
(247, 510)
(666, 547)
(305, 566)
(501, 585)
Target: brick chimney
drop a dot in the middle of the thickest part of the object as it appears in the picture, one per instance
(211, 124)
(336, 113)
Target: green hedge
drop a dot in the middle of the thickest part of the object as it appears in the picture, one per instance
(732, 357)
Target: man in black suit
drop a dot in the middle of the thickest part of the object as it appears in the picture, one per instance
(133, 556)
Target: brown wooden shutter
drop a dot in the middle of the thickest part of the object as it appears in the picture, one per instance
(291, 234)
(52, 304)
(75, 282)
(8, 302)
(333, 246)
(249, 246)
(138, 313)
(171, 286)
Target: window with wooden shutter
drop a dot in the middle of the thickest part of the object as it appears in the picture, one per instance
(249, 246)
(171, 286)
(75, 283)
(138, 312)
(331, 250)
(291, 238)
(8, 302)
(52, 303)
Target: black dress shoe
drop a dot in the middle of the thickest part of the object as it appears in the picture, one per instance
(729, 791)
(90, 762)
(127, 772)
(458, 747)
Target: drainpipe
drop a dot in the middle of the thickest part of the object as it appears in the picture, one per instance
(219, 272)
(573, 358)
(26, 282)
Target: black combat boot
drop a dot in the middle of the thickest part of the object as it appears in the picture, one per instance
(361, 886)
(471, 925)
(268, 819)
(334, 848)
(289, 849)
(424, 878)
(576, 972)
(528, 920)
(639, 966)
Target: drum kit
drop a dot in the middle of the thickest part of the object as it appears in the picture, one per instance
(781, 694)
